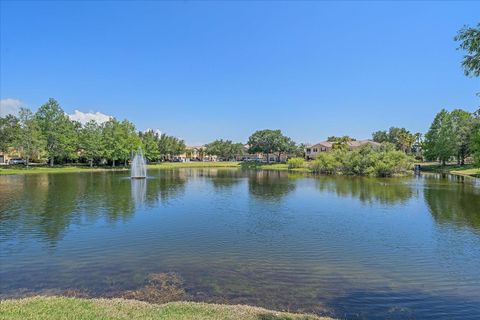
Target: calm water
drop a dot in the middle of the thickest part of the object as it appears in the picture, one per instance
(353, 248)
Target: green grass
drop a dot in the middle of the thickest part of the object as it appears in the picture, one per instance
(274, 166)
(108, 309)
(195, 164)
(56, 169)
(465, 170)
(475, 172)
(19, 169)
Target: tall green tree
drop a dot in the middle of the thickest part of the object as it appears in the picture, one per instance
(130, 141)
(90, 141)
(170, 146)
(266, 141)
(475, 140)
(112, 140)
(469, 38)
(59, 132)
(400, 137)
(439, 141)
(29, 140)
(287, 146)
(9, 126)
(224, 149)
(462, 129)
(380, 136)
(150, 145)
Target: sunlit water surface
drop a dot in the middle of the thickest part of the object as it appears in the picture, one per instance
(352, 248)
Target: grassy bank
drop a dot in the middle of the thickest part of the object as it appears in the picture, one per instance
(465, 170)
(195, 164)
(273, 166)
(85, 168)
(106, 309)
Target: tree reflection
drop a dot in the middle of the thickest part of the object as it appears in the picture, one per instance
(169, 184)
(44, 206)
(453, 200)
(368, 190)
(270, 185)
(224, 178)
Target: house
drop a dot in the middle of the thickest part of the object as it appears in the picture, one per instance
(194, 153)
(326, 146)
(273, 157)
(5, 157)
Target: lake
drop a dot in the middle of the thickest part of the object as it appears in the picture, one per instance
(348, 247)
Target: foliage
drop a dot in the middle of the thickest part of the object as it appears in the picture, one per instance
(325, 163)
(462, 127)
(403, 139)
(295, 163)
(29, 141)
(59, 131)
(439, 143)
(475, 139)
(150, 145)
(270, 141)
(130, 140)
(90, 141)
(469, 38)
(382, 162)
(451, 134)
(9, 127)
(112, 144)
(170, 146)
(224, 149)
(50, 132)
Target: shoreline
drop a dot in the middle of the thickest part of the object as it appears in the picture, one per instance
(464, 171)
(59, 307)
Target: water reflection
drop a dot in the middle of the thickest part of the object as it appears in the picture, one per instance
(45, 205)
(453, 200)
(368, 190)
(139, 190)
(270, 186)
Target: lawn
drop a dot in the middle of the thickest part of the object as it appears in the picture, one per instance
(465, 170)
(108, 309)
(195, 164)
(20, 169)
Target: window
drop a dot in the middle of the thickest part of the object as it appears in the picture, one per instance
(324, 149)
(315, 150)
(308, 150)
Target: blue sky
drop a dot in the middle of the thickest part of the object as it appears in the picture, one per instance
(206, 70)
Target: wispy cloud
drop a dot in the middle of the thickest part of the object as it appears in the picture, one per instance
(10, 106)
(84, 117)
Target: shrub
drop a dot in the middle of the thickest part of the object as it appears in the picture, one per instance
(364, 161)
(325, 163)
(295, 163)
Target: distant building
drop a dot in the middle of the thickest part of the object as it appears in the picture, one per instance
(5, 157)
(194, 153)
(311, 152)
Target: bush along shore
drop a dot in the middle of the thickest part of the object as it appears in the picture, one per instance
(110, 309)
(365, 161)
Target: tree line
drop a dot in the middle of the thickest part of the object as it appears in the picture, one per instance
(50, 134)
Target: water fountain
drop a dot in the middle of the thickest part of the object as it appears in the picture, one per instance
(139, 166)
